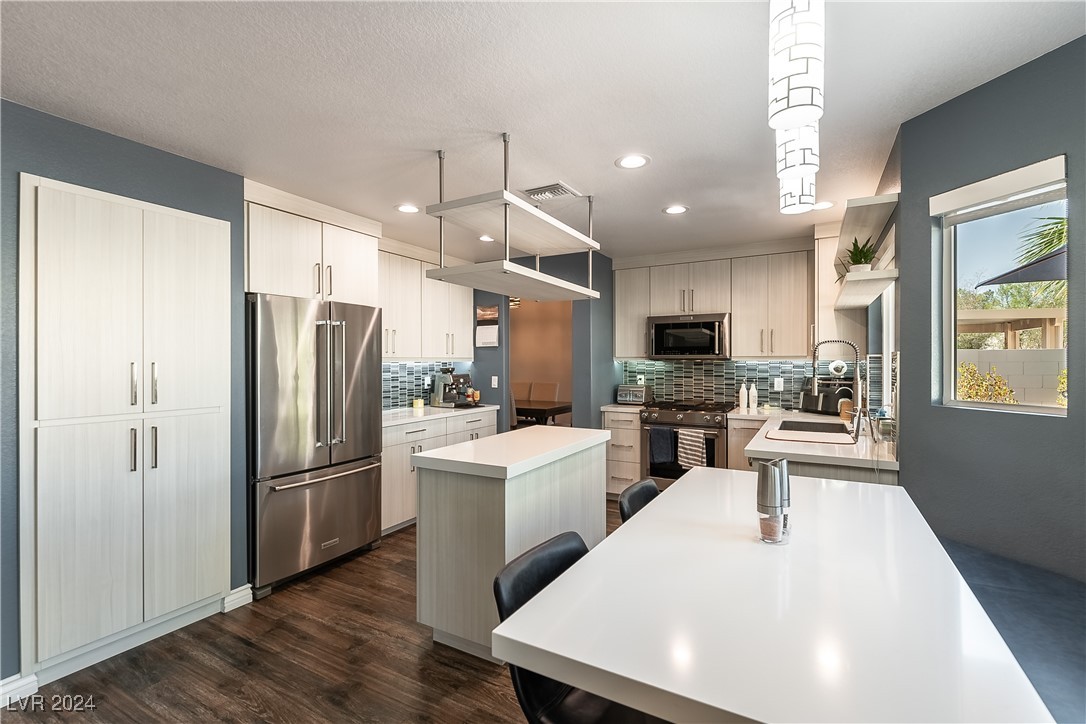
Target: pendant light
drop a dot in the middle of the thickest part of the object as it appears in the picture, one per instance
(797, 39)
(797, 151)
(797, 195)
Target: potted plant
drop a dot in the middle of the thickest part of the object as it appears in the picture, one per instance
(858, 257)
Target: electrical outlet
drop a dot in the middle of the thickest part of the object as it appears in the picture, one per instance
(641, 379)
(426, 382)
(494, 382)
(778, 384)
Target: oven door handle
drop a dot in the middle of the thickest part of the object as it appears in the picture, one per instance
(708, 433)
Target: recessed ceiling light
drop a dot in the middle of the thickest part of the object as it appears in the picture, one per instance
(485, 237)
(633, 160)
(823, 205)
(676, 209)
(408, 208)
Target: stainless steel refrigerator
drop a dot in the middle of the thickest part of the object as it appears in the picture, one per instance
(314, 384)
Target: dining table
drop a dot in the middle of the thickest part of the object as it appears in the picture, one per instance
(541, 410)
(684, 613)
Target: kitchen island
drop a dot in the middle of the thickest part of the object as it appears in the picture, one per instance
(484, 502)
(683, 613)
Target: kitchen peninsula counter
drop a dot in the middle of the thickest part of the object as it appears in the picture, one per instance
(484, 502)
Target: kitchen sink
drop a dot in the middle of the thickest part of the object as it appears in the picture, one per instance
(808, 426)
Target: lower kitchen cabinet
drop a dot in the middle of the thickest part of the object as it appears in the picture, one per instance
(740, 433)
(623, 449)
(399, 482)
(464, 428)
(136, 525)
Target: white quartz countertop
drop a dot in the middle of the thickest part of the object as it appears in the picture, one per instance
(614, 407)
(862, 617)
(864, 453)
(402, 415)
(511, 453)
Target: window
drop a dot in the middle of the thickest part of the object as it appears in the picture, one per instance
(1004, 323)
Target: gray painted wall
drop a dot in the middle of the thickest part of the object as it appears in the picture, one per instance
(44, 145)
(490, 361)
(1009, 483)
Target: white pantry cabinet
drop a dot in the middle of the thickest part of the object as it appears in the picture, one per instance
(124, 412)
(771, 305)
(447, 319)
(296, 256)
(400, 286)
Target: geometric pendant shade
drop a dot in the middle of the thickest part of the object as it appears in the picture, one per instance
(797, 151)
(797, 39)
(797, 194)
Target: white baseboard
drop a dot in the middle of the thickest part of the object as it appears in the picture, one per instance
(17, 687)
(241, 596)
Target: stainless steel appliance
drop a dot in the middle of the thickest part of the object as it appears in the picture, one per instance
(690, 336)
(660, 425)
(633, 394)
(314, 400)
(451, 390)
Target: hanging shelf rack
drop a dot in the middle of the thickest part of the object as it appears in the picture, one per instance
(538, 234)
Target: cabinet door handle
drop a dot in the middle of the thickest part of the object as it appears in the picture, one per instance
(615, 477)
(317, 272)
(132, 449)
(412, 452)
(771, 331)
(452, 343)
(625, 446)
(394, 341)
(328, 286)
(154, 446)
(154, 383)
(691, 300)
(415, 432)
(761, 342)
(386, 341)
(682, 300)
(133, 376)
(812, 337)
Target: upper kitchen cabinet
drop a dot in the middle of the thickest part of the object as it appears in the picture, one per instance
(631, 311)
(771, 305)
(400, 299)
(295, 256)
(446, 319)
(695, 288)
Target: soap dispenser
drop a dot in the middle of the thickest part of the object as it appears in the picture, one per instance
(743, 398)
(752, 397)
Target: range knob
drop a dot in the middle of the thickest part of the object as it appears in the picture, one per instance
(679, 416)
(644, 415)
(654, 416)
(708, 419)
(718, 418)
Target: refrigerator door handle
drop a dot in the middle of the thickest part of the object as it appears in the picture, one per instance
(342, 358)
(277, 488)
(321, 323)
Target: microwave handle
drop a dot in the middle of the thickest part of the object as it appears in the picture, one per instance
(716, 337)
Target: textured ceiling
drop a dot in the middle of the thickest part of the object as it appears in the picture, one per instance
(345, 103)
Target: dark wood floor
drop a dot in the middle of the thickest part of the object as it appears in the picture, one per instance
(340, 645)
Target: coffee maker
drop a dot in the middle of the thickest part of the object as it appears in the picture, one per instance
(451, 390)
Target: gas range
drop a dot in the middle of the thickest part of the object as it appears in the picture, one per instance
(684, 413)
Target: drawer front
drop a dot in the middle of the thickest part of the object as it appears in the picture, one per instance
(473, 422)
(414, 431)
(621, 475)
(622, 420)
(624, 446)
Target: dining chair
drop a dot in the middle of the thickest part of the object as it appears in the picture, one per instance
(636, 497)
(522, 390)
(543, 699)
(545, 392)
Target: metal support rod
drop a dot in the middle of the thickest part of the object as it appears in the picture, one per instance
(441, 199)
(589, 268)
(537, 262)
(590, 217)
(505, 144)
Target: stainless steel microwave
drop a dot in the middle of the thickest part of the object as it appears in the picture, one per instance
(690, 336)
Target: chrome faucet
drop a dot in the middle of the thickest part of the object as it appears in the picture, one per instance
(855, 368)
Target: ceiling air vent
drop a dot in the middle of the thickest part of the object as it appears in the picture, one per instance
(550, 191)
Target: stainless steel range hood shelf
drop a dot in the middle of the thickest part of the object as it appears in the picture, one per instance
(512, 280)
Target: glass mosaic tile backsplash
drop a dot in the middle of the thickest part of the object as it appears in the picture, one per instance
(720, 380)
(403, 382)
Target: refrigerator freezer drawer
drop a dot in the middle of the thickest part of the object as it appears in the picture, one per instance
(305, 520)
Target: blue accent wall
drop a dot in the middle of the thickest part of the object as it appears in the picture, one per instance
(1010, 483)
(491, 361)
(44, 145)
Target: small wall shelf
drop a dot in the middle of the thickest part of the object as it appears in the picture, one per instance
(865, 219)
(859, 289)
